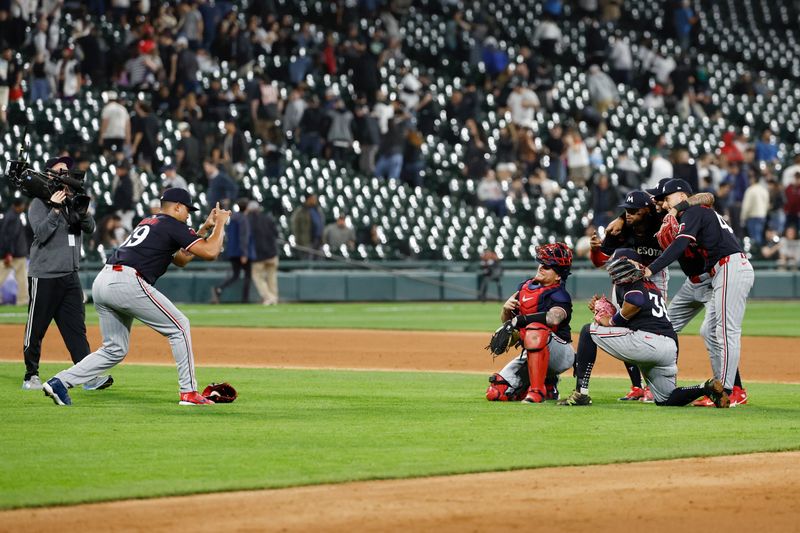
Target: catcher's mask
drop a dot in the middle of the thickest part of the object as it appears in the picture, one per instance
(621, 267)
(557, 256)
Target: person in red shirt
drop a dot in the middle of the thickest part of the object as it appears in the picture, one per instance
(792, 205)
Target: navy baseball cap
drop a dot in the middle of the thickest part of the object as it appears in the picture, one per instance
(655, 191)
(630, 253)
(675, 185)
(53, 161)
(637, 200)
(179, 196)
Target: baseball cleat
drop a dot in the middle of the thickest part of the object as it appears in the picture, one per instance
(716, 392)
(99, 383)
(575, 399)
(500, 390)
(738, 396)
(194, 398)
(534, 396)
(705, 401)
(647, 397)
(635, 394)
(552, 391)
(32, 383)
(55, 389)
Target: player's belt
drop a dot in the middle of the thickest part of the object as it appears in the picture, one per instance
(724, 261)
(701, 278)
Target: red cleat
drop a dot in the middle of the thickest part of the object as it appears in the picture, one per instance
(705, 401)
(738, 396)
(534, 396)
(194, 398)
(635, 394)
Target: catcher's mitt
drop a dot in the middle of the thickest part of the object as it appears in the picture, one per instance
(624, 271)
(503, 339)
(603, 308)
(668, 231)
(220, 393)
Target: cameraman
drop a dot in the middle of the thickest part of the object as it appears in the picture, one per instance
(54, 287)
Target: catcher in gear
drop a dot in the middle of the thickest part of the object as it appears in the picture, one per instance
(539, 312)
(638, 333)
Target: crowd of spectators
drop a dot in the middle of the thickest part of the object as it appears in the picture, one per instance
(381, 128)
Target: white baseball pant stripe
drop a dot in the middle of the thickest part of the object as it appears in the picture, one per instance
(31, 307)
(731, 285)
(562, 357)
(655, 355)
(119, 297)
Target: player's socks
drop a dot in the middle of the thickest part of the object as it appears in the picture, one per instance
(684, 395)
(584, 360)
(635, 375)
(737, 381)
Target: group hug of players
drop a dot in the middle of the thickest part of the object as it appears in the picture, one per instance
(659, 226)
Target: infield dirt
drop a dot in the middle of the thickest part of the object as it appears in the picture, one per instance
(757, 491)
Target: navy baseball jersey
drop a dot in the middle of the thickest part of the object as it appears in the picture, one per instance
(652, 315)
(151, 246)
(534, 298)
(710, 231)
(693, 260)
(646, 244)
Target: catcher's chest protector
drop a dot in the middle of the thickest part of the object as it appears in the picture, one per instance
(534, 298)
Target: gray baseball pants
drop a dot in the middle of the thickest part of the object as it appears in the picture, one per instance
(562, 357)
(655, 355)
(731, 283)
(687, 303)
(119, 297)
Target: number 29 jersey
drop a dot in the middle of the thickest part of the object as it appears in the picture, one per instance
(652, 315)
(151, 246)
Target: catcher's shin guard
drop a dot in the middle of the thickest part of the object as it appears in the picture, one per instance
(537, 337)
(500, 390)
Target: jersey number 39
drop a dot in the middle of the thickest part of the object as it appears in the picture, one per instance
(136, 238)
(658, 305)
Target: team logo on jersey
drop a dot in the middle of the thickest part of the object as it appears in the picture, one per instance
(680, 228)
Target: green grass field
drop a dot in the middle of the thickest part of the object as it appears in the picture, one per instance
(764, 318)
(297, 427)
(306, 427)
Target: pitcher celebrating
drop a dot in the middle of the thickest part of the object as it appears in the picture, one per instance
(541, 310)
(124, 290)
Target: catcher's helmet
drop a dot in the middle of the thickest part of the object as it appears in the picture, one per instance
(557, 256)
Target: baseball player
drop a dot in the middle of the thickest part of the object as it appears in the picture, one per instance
(541, 310)
(638, 333)
(692, 297)
(731, 275)
(124, 290)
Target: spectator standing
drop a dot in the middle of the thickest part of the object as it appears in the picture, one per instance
(263, 252)
(188, 154)
(10, 77)
(755, 207)
(578, 165)
(265, 106)
(68, 74)
(234, 147)
(491, 272)
(766, 149)
(40, 80)
(293, 112)
(523, 104)
(605, 200)
(340, 133)
(390, 151)
(792, 205)
(368, 134)
(191, 24)
(620, 59)
(184, 67)
(683, 169)
(776, 219)
(311, 129)
(684, 19)
(491, 195)
(144, 127)
(602, 89)
(548, 36)
(15, 247)
(221, 187)
(789, 175)
(308, 223)
(123, 194)
(115, 126)
(338, 234)
(237, 252)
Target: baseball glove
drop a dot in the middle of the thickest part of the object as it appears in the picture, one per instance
(503, 339)
(220, 393)
(668, 231)
(603, 307)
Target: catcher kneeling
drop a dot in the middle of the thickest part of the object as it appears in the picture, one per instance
(638, 333)
(537, 318)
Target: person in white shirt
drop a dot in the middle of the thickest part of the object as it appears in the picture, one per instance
(578, 164)
(602, 89)
(660, 168)
(491, 195)
(620, 59)
(523, 104)
(787, 178)
(755, 207)
(68, 76)
(115, 128)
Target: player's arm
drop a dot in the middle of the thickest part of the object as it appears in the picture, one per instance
(631, 305)
(510, 308)
(209, 249)
(182, 258)
(702, 198)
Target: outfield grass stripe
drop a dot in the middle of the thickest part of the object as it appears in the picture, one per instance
(301, 427)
